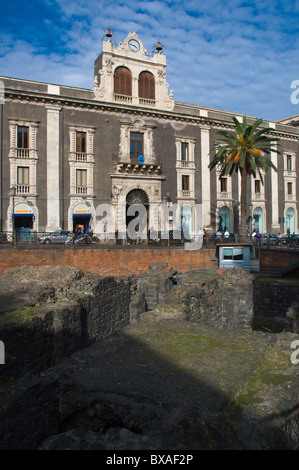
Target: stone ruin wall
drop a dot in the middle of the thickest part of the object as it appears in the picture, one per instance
(73, 310)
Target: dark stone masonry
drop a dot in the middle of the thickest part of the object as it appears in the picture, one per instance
(155, 361)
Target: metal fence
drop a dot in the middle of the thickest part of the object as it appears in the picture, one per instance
(67, 238)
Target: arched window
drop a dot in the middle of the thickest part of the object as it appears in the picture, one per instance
(123, 81)
(187, 221)
(290, 220)
(224, 218)
(258, 219)
(146, 86)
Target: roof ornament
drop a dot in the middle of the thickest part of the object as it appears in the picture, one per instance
(108, 35)
(158, 47)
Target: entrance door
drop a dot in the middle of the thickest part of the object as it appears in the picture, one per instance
(137, 205)
(290, 220)
(23, 219)
(258, 219)
(81, 221)
(224, 219)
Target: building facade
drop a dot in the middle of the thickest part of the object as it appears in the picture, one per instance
(72, 155)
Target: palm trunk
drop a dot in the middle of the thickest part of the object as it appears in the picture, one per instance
(243, 230)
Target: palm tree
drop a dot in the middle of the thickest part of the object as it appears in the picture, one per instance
(246, 151)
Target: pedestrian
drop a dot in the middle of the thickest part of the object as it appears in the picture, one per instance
(218, 235)
(226, 235)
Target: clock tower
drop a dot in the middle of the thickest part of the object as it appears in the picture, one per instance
(129, 75)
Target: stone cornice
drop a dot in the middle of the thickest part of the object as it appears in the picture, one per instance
(45, 99)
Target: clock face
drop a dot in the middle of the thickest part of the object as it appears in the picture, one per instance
(134, 45)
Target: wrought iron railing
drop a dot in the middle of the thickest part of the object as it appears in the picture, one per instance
(25, 236)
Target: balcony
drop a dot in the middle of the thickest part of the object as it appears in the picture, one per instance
(81, 189)
(224, 195)
(81, 157)
(186, 194)
(123, 98)
(127, 165)
(185, 164)
(23, 189)
(146, 102)
(22, 153)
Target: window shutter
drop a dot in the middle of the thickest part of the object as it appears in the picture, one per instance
(123, 81)
(146, 86)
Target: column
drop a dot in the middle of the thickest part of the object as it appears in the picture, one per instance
(205, 176)
(274, 193)
(53, 147)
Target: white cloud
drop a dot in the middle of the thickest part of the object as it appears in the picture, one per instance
(237, 55)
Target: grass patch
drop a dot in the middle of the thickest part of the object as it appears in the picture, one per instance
(20, 315)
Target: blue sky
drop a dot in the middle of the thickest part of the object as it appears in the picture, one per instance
(239, 56)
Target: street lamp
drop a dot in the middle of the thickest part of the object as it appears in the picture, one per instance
(13, 193)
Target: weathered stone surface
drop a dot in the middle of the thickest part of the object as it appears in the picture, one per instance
(158, 383)
(75, 439)
(167, 383)
(292, 318)
(48, 313)
(273, 297)
(29, 413)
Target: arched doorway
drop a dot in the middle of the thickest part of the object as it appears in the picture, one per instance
(187, 221)
(82, 217)
(224, 218)
(258, 219)
(23, 221)
(137, 205)
(290, 220)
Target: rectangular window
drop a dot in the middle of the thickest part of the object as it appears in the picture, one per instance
(22, 137)
(185, 183)
(290, 189)
(185, 151)
(136, 144)
(81, 142)
(23, 175)
(81, 178)
(289, 162)
(257, 186)
(223, 185)
(233, 254)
